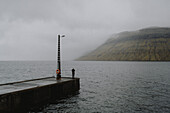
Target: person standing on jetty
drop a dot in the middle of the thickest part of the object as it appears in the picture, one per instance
(73, 72)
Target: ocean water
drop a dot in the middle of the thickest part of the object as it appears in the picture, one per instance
(106, 87)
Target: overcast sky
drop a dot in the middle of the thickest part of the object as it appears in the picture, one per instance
(29, 28)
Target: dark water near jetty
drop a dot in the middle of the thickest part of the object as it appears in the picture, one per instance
(106, 87)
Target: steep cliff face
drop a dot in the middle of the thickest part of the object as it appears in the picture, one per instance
(150, 44)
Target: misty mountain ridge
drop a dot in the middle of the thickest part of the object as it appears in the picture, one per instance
(148, 44)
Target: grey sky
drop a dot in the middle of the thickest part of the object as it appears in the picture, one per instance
(29, 28)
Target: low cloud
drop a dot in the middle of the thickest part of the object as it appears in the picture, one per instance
(28, 29)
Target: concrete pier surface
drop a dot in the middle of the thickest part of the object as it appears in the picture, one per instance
(23, 95)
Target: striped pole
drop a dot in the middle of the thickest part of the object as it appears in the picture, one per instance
(58, 71)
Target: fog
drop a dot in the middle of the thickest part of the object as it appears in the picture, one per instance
(29, 28)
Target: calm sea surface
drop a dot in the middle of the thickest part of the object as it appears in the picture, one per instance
(106, 87)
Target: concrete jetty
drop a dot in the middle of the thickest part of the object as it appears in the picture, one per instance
(23, 95)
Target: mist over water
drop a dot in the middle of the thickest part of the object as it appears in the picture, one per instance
(110, 87)
(28, 29)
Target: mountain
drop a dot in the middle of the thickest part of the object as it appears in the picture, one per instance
(149, 44)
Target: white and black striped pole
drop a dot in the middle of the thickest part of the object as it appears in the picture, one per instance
(58, 71)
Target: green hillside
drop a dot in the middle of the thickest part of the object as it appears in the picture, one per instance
(150, 44)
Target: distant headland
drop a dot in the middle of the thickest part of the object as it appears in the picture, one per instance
(149, 44)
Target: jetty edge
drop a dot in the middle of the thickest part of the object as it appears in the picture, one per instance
(24, 95)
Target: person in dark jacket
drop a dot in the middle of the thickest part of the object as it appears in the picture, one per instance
(73, 73)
